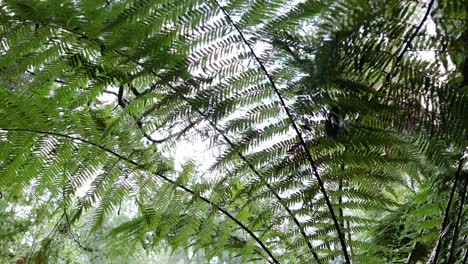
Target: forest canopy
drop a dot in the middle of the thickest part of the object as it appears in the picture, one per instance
(233, 131)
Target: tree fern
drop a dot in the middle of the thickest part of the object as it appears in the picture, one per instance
(334, 137)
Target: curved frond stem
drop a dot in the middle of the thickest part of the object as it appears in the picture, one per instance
(351, 251)
(456, 230)
(165, 178)
(415, 33)
(447, 212)
(407, 44)
(122, 104)
(275, 194)
(85, 248)
(140, 124)
(465, 258)
(299, 135)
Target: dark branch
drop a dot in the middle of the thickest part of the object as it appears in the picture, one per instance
(120, 99)
(110, 92)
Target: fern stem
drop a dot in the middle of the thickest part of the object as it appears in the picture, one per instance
(447, 212)
(465, 258)
(408, 43)
(349, 239)
(242, 157)
(457, 222)
(257, 173)
(299, 134)
(165, 178)
(122, 104)
(415, 33)
(251, 167)
(77, 242)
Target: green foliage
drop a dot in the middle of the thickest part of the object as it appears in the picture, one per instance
(338, 130)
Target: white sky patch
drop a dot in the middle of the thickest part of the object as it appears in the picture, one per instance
(198, 151)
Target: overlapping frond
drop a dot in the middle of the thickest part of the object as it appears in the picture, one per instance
(318, 114)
